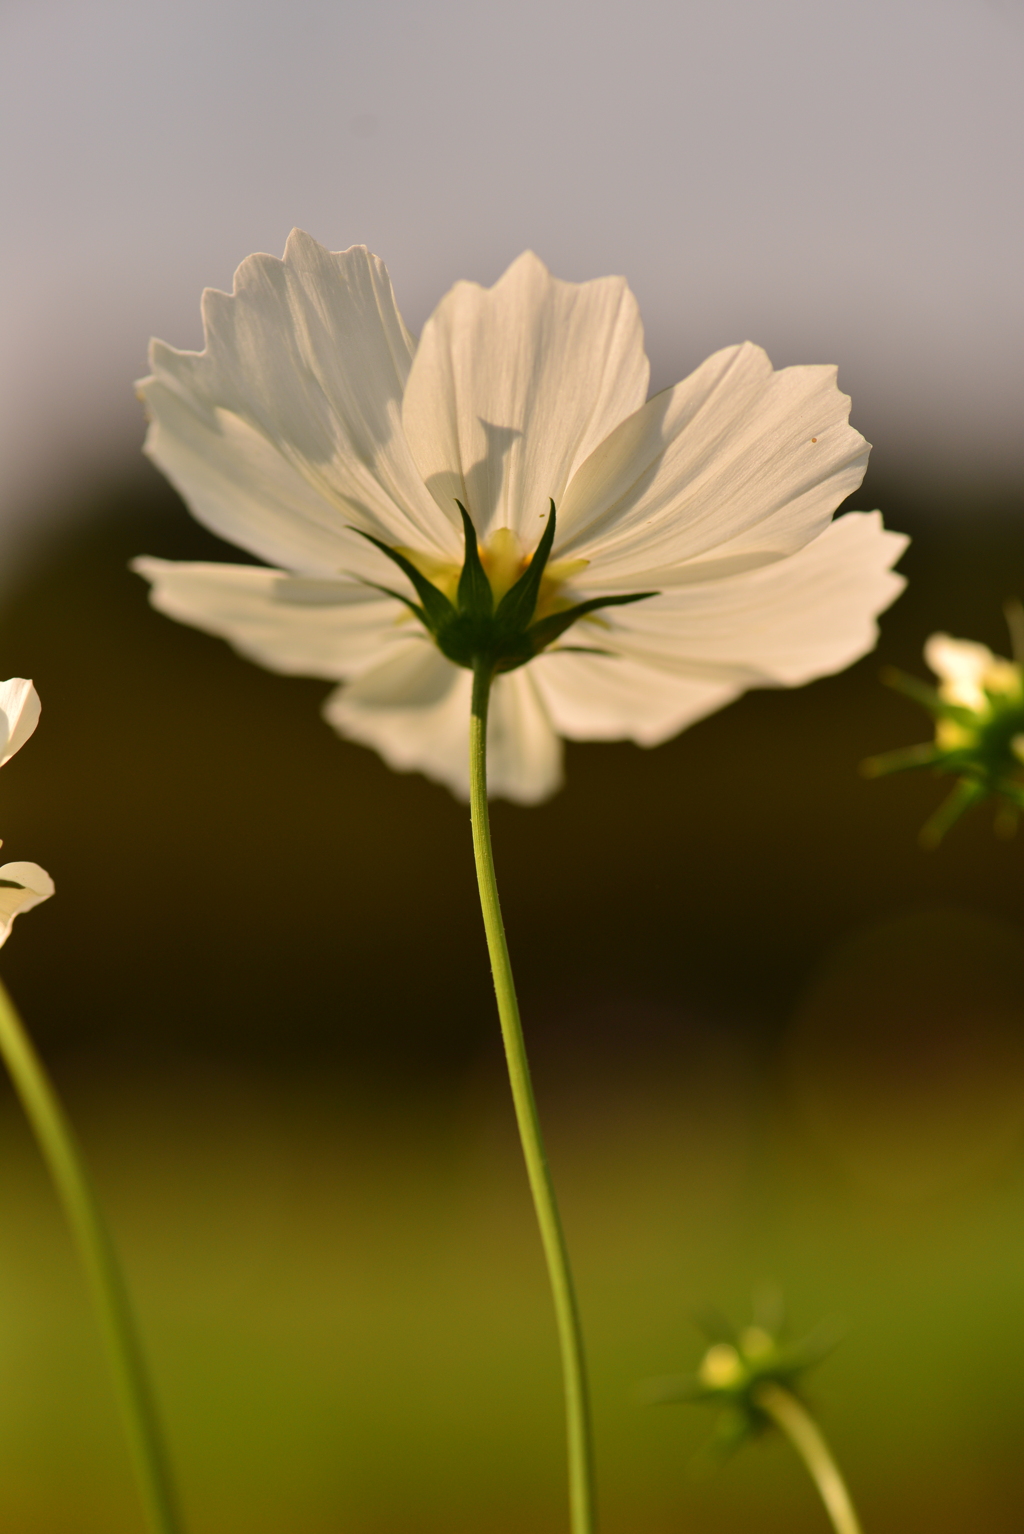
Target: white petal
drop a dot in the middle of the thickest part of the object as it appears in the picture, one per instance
(512, 387)
(962, 666)
(782, 624)
(286, 429)
(19, 715)
(297, 625)
(22, 885)
(735, 466)
(607, 697)
(524, 755)
(414, 710)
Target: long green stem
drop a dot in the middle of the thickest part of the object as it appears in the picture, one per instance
(60, 1150)
(806, 1437)
(570, 1335)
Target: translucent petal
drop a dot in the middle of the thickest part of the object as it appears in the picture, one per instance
(293, 624)
(286, 428)
(607, 697)
(22, 886)
(414, 710)
(781, 624)
(512, 387)
(962, 666)
(19, 715)
(736, 466)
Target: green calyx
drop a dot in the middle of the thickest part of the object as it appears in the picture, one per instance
(474, 631)
(982, 747)
(735, 1367)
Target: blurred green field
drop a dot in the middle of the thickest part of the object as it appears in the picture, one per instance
(348, 1318)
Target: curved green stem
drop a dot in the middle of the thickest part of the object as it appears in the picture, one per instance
(60, 1150)
(570, 1335)
(807, 1439)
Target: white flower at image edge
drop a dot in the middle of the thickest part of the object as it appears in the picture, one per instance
(22, 885)
(312, 418)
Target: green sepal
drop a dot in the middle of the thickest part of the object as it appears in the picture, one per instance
(794, 1357)
(673, 1388)
(475, 595)
(927, 696)
(11, 884)
(903, 760)
(967, 793)
(716, 1326)
(389, 591)
(549, 629)
(519, 603)
(735, 1425)
(437, 610)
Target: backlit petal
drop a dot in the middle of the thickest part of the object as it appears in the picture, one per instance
(414, 710)
(607, 697)
(19, 715)
(512, 387)
(298, 625)
(962, 666)
(736, 466)
(286, 428)
(22, 886)
(781, 624)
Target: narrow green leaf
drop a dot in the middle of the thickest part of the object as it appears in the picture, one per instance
(542, 633)
(902, 760)
(910, 687)
(436, 609)
(715, 1326)
(965, 795)
(818, 1344)
(519, 603)
(475, 594)
(673, 1388)
(389, 591)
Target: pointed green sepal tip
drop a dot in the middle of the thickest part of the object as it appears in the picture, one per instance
(926, 695)
(964, 797)
(903, 760)
(469, 632)
(737, 1364)
(518, 605)
(670, 1390)
(475, 596)
(436, 610)
(551, 628)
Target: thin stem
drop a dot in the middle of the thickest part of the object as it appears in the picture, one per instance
(570, 1335)
(806, 1437)
(61, 1152)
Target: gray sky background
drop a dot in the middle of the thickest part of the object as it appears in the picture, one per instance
(839, 181)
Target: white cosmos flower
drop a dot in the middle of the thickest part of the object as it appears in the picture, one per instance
(22, 885)
(312, 419)
(969, 671)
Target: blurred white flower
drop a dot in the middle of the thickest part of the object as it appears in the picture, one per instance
(22, 885)
(19, 715)
(978, 709)
(969, 672)
(311, 423)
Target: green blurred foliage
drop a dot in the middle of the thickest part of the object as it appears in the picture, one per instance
(772, 1040)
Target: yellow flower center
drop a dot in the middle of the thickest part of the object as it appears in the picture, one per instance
(504, 561)
(721, 1367)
